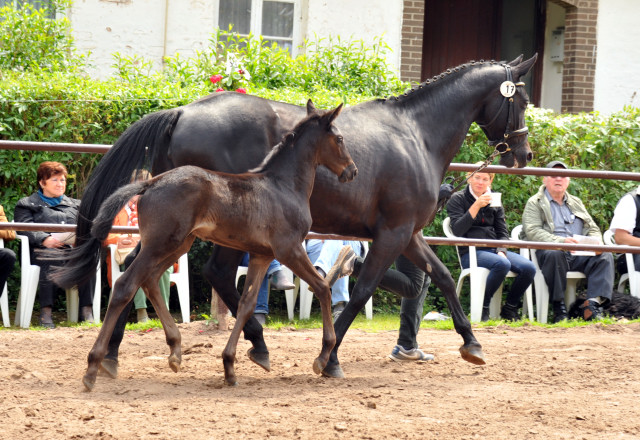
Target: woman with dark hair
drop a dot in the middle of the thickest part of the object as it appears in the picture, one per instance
(50, 205)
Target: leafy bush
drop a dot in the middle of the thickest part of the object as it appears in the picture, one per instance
(32, 39)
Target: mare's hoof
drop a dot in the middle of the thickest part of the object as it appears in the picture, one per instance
(174, 363)
(334, 371)
(88, 382)
(109, 368)
(472, 353)
(260, 358)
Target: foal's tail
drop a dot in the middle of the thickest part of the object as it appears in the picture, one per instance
(80, 262)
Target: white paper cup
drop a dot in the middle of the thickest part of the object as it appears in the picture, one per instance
(496, 200)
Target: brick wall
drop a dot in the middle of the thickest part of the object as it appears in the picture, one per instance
(580, 50)
(412, 26)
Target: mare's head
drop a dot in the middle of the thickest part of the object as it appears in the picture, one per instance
(331, 150)
(502, 116)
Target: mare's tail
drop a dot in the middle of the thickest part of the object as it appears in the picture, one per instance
(140, 145)
(80, 262)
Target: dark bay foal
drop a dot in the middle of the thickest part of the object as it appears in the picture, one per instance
(264, 212)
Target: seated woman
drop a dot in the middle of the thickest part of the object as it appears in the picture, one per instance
(7, 256)
(473, 217)
(50, 205)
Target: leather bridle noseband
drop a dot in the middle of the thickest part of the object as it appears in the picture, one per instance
(501, 145)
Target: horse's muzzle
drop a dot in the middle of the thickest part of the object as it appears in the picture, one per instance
(349, 173)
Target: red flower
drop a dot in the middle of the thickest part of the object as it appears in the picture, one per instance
(219, 89)
(215, 78)
(241, 90)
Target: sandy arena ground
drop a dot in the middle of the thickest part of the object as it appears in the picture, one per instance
(580, 383)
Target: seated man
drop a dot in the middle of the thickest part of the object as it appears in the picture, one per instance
(555, 216)
(324, 254)
(7, 256)
(625, 224)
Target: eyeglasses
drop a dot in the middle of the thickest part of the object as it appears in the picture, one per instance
(58, 180)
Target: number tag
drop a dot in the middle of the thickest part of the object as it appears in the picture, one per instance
(508, 89)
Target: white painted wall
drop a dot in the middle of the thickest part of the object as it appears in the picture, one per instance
(137, 27)
(618, 57)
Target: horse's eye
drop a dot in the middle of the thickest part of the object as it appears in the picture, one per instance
(340, 139)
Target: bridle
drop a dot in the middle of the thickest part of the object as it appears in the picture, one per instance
(508, 89)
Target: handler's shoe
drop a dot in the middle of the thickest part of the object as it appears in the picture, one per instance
(400, 354)
(279, 281)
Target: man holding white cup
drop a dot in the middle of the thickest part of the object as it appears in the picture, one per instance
(476, 212)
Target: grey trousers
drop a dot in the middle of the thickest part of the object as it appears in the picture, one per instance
(598, 269)
(411, 283)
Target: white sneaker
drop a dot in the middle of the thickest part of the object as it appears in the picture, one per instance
(400, 354)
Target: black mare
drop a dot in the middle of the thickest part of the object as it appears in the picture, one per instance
(264, 212)
(402, 145)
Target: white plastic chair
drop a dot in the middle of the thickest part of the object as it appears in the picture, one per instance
(632, 276)
(179, 278)
(290, 295)
(4, 300)
(542, 290)
(306, 296)
(30, 274)
(478, 281)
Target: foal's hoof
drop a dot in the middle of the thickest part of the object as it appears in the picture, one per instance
(109, 368)
(260, 358)
(318, 366)
(174, 363)
(333, 370)
(472, 353)
(88, 382)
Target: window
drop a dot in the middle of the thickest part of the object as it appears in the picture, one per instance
(274, 20)
(45, 4)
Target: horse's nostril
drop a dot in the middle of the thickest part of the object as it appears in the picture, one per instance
(529, 157)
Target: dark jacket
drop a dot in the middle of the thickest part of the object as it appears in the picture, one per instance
(489, 224)
(33, 209)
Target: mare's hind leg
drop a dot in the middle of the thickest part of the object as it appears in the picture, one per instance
(385, 247)
(258, 266)
(220, 270)
(423, 256)
(298, 261)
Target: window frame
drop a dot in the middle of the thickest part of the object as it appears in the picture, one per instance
(255, 26)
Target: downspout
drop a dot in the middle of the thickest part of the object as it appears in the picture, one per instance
(164, 36)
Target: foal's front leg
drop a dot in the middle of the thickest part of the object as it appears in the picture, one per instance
(299, 263)
(258, 266)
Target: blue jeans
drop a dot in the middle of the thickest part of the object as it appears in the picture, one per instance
(323, 254)
(262, 305)
(499, 267)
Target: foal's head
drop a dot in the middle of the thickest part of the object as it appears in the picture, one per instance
(331, 151)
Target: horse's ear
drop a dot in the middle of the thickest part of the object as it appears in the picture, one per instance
(333, 114)
(310, 107)
(516, 61)
(523, 68)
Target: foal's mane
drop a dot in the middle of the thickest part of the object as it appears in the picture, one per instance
(447, 73)
(288, 140)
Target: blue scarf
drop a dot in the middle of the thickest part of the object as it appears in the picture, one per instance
(51, 201)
